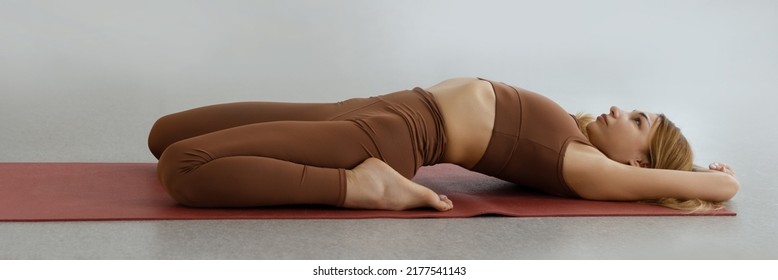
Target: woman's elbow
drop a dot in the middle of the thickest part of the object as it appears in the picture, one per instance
(730, 187)
(722, 188)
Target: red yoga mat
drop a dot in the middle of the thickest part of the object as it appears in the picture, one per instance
(130, 191)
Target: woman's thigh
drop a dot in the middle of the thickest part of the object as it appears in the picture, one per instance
(331, 144)
(204, 120)
(273, 163)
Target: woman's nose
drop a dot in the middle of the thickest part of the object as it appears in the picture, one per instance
(615, 111)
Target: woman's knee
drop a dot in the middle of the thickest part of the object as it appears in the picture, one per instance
(175, 169)
(161, 135)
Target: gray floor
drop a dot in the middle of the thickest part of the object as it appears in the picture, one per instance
(84, 81)
(478, 238)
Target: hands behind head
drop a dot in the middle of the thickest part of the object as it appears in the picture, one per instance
(721, 167)
(716, 166)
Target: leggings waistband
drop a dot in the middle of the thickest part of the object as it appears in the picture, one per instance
(422, 114)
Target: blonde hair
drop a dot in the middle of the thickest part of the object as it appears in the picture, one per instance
(668, 149)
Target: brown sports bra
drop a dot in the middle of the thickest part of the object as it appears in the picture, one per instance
(529, 140)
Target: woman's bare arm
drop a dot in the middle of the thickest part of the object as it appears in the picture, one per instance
(596, 177)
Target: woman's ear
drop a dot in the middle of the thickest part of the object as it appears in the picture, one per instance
(639, 163)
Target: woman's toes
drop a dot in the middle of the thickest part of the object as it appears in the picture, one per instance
(442, 203)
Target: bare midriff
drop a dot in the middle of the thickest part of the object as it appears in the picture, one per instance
(468, 109)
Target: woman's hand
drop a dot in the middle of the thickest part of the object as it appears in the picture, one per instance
(721, 167)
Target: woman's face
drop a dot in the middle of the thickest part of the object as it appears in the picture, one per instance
(623, 136)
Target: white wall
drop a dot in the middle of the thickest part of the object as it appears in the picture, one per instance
(84, 80)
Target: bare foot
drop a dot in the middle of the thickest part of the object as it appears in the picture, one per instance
(375, 185)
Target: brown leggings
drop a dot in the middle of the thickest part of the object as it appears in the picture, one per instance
(264, 153)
